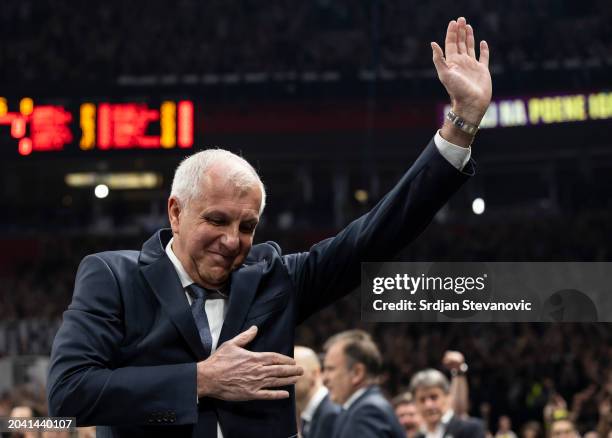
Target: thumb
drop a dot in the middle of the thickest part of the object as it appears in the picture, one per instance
(438, 58)
(242, 339)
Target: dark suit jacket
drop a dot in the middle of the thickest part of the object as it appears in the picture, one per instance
(323, 420)
(125, 355)
(462, 428)
(370, 416)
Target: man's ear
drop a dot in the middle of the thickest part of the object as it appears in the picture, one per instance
(174, 213)
(358, 373)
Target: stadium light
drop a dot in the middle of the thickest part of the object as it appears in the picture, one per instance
(361, 196)
(478, 206)
(101, 191)
(115, 180)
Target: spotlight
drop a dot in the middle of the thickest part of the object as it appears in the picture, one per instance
(478, 206)
(101, 191)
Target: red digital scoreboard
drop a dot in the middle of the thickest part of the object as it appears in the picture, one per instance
(99, 126)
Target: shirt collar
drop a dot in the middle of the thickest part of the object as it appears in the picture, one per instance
(314, 403)
(182, 274)
(447, 416)
(353, 398)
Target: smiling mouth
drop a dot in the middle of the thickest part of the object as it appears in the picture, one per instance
(220, 257)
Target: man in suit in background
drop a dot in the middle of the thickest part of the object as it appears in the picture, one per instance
(431, 391)
(316, 412)
(192, 336)
(407, 414)
(351, 369)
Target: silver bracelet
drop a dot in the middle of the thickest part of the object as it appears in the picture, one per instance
(461, 371)
(461, 123)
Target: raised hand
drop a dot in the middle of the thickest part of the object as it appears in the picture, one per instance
(466, 78)
(453, 360)
(234, 373)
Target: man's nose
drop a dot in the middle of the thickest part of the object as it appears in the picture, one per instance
(231, 239)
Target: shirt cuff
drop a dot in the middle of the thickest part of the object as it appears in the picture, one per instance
(456, 155)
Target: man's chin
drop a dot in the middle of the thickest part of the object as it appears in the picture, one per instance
(434, 419)
(215, 278)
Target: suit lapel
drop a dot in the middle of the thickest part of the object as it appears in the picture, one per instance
(164, 282)
(242, 292)
(449, 429)
(343, 418)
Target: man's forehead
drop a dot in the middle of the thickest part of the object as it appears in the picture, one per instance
(426, 391)
(335, 352)
(216, 186)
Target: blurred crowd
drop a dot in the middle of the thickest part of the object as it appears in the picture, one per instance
(59, 40)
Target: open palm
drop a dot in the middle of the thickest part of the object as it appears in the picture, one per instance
(466, 78)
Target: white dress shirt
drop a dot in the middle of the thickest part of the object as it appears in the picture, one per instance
(456, 155)
(353, 398)
(313, 404)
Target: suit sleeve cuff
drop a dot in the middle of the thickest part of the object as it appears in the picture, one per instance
(456, 155)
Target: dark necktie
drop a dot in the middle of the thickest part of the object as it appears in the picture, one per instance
(199, 295)
(305, 428)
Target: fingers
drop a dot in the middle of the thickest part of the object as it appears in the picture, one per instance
(245, 337)
(460, 39)
(484, 54)
(277, 382)
(470, 41)
(438, 57)
(461, 36)
(450, 44)
(266, 394)
(284, 371)
(269, 358)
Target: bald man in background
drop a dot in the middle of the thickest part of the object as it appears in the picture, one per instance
(315, 411)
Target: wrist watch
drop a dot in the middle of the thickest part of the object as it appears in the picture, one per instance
(461, 123)
(461, 371)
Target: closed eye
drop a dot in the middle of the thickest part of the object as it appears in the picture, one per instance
(217, 221)
(248, 227)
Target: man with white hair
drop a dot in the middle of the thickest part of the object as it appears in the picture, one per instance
(192, 336)
(316, 412)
